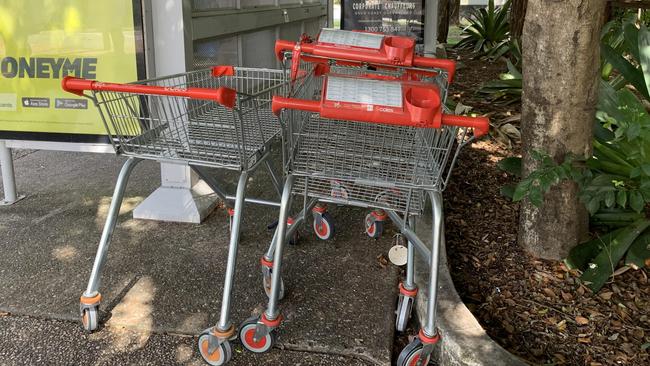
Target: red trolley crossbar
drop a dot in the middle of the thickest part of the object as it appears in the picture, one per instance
(354, 47)
(405, 103)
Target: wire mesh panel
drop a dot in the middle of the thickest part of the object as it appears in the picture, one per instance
(352, 193)
(375, 165)
(367, 164)
(198, 131)
(377, 154)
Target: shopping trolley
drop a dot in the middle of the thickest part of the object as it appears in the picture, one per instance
(374, 143)
(370, 55)
(214, 118)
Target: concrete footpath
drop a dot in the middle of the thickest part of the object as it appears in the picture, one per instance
(162, 282)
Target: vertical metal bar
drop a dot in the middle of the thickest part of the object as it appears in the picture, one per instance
(436, 207)
(430, 26)
(330, 13)
(274, 178)
(269, 252)
(224, 319)
(109, 226)
(8, 177)
(410, 261)
(271, 311)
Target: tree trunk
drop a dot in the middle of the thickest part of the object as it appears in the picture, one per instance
(517, 17)
(454, 12)
(561, 59)
(608, 12)
(443, 20)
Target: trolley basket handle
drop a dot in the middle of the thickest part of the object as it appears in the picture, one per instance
(282, 46)
(481, 125)
(223, 96)
(280, 103)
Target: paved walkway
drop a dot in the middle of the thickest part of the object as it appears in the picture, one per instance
(162, 281)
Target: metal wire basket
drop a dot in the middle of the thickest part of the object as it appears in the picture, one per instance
(197, 131)
(367, 164)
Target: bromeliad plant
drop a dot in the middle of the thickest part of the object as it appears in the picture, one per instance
(489, 29)
(615, 181)
(508, 88)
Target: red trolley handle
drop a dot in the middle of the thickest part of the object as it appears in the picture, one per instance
(223, 96)
(282, 46)
(481, 125)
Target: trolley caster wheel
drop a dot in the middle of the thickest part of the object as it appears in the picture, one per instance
(410, 355)
(404, 308)
(267, 287)
(374, 226)
(267, 274)
(219, 356)
(323, 226)
(247, 332)
(89, 318)
(294, 239)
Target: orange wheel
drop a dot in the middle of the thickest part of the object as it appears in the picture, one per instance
(89, 318)
(374, 227)
(247, 337)
(324, 226)
(219, 356)
(410, 355)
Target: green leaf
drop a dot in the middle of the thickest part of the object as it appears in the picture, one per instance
(508, 190)
(644, 53)
(616, 215)
(521, 190)
(621, 198)
(631, 38)
(610, 198)
(583, 253)
(646, 169)
(633, 131)
(511, 165)
(593, 205)
(631, 73)
(608, 101)
(536, 196)
(603, 265)
(612, 154)
(512, 70)
(636, 201)
(639, 251)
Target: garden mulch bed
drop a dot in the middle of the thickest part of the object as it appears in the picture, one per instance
(536, 309)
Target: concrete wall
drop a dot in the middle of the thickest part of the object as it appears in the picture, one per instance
(253, 46)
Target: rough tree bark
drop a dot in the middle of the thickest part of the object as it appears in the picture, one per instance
(561, 59)
(454, 12)
(517, 17)
(443, 21)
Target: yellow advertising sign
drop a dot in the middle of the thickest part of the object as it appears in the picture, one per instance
(42, 41)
